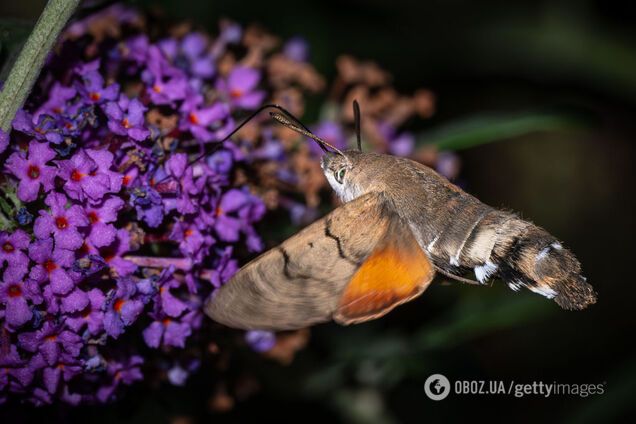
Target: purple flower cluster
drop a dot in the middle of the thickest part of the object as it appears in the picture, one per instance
(112, 230)
(101, 182)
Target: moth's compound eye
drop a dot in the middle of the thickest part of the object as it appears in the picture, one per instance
(339, 174)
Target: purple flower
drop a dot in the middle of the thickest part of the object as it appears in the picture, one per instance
(80, 177)
(166, 84)
(402, 145)
(201, 64)
(16, 297)
(65, 368)
(148, 204)
(14, 370)
(74, 301)
(193, 45)
(448, 164)
(220, 162)
(136, 49)
(190, 54)
(180, 371)
(92, 88)
(70, 128)
(253, 212)
(270, 150)
(192, 242)
(171, 331)
(104, 161)
(12, 248)
(91, 316)
(177, 375)
(63, 223)
(125, 372)
(42, 128)
(297, 49)
(122, 309)
(260, 341)
(178, 168)
(31, 170)
(57, 104)
(69, 284)
(51, 341)
(206, 123)
(227, 226)
(170, 305)
(130, 177)
(126, 117)
(241, 85)
(234, 212)
(170, 48)
(88, 173)
(73, 399)
(224, 267)
(231, 32)
(399, 144)
(113, 254)
(41, 397)
(101, 233)
(85, 68)
(147, 287)
(52, 265)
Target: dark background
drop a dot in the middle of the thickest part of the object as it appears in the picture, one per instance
(485, 60)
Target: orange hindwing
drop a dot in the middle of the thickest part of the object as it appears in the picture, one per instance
(396, 271)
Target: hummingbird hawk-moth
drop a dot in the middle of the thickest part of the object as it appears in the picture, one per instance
(400, 223)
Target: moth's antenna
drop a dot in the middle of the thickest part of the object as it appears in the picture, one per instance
(356, 122)
(219, 144)
(322, 143)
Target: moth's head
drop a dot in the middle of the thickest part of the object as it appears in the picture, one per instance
(350, 173)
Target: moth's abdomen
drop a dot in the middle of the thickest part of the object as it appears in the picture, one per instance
(528, 256)
(462, 235)
(494, 243)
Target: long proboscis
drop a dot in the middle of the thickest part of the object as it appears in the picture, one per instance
(285, 112)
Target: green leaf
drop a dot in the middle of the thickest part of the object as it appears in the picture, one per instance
(5, 207)
(487, 128)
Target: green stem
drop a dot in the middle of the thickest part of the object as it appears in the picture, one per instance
(5, 223)
(31, 59)
(12, 195)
